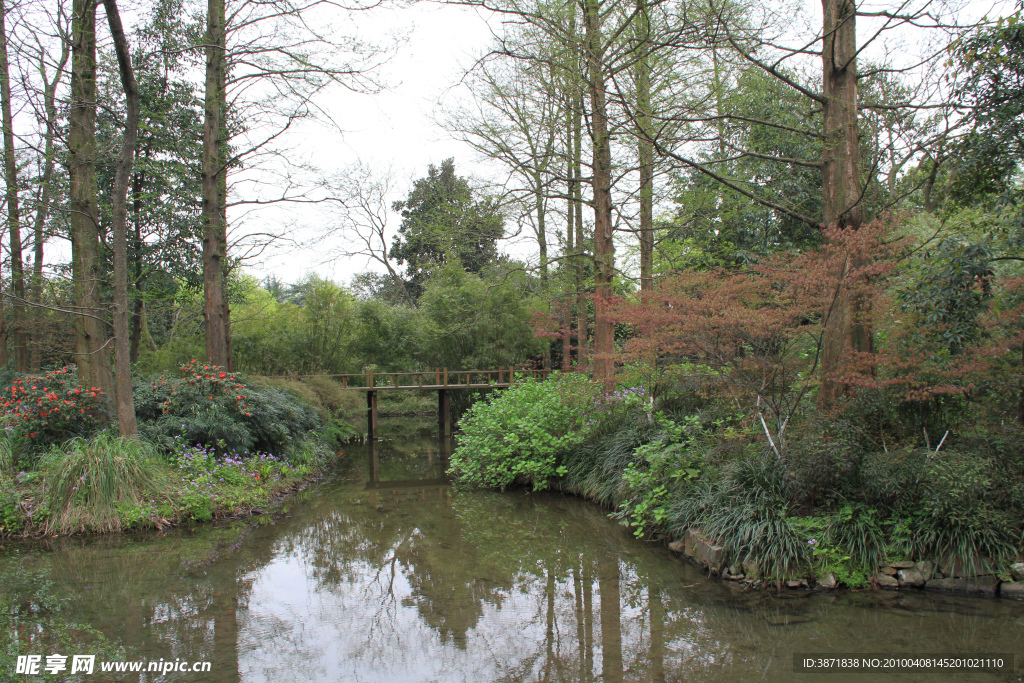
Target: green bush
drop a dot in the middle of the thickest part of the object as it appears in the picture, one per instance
(892, 481)
(11, 520)
(823, 460)
(521, 434)
(619, 424)
(89, 478)
(670, 462)
(859, 530)
(222, 410)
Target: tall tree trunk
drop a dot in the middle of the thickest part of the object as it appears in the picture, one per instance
(542, 229)
(93, 352)
(119, 199)
(17, 321)
(215, 310)
(645, 149)
(570, 242)
(582, 314)
(222, 197)
(845, 327)
(604, 249)
(136, 332)
(542, 246)
(43, 202)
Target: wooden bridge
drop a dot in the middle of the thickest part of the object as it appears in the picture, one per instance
(441, 380)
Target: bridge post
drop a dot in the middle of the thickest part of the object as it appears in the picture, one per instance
(444, 415)
(371, 415)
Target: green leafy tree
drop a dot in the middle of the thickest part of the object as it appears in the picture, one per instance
(994, 89)
(442, 222)
(469, 321)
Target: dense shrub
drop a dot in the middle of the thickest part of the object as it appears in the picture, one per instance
(219, 409)
(523, 433)
(661, 469)
(41, 411)
(823, 457)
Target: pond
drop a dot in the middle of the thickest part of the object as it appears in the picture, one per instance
(383, 572)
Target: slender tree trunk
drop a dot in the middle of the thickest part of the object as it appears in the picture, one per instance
(570, 242)
(119, 200)
(645, 150)
(17, 321)
(136, 332)
(542, 246)
(845, 327)
(93, 350)
(222, 198)
(214, 242)
(582, 314)
(542, 229)
(43, 204)
(604, 249)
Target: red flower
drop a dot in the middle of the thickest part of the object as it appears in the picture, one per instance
(222, 375)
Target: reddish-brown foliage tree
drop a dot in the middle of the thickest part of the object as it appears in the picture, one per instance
(762, 329)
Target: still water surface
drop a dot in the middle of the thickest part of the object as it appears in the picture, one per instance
(383, 572)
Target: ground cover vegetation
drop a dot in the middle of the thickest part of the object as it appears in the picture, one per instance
(211, 444)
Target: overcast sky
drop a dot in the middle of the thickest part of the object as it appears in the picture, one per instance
(395, 129)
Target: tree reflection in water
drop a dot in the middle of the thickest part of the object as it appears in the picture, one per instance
(384, 573)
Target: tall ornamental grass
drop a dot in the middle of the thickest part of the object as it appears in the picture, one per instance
(88, 479)
(6, 456)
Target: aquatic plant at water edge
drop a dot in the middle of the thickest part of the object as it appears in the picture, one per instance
(955, 518)
(89, 478)
(858, 530)
(523, 432)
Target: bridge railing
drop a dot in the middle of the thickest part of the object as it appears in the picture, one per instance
(439, 378)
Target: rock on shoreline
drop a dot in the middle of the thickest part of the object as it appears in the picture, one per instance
(951, 575)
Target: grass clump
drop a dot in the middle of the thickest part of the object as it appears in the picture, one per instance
(88, 479)
(6, 457)
(746, 510)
